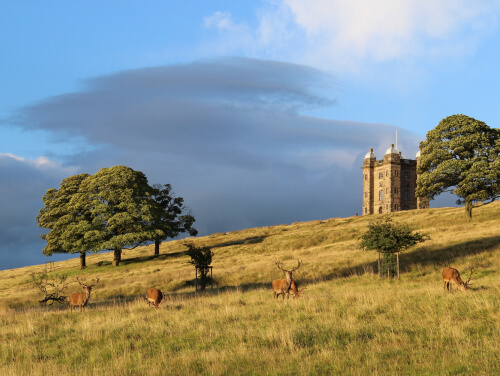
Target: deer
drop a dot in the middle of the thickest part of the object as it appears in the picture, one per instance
(452, 275)
(80, 299)
(282, 286)
(154, 297)
(294, 289)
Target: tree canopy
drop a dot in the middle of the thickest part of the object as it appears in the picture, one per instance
(171, 219)
(460, 155)
(67, 220)
(114, 209)
(390, 237)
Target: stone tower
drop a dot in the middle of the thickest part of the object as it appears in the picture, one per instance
(389, 184)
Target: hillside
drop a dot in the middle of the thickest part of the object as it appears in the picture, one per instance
(348, 320)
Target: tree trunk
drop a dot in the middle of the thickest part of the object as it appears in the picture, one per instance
(83, 262)
(468, 210)
(157, 247)
(117, 257)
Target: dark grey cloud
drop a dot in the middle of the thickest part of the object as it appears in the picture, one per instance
(230, 135)
(22, 185)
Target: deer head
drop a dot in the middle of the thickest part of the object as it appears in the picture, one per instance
(288, 273)
(294, 287)
(88, 288)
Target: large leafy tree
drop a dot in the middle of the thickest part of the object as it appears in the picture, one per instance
(121, 203)
(172, 218)
(461, 155)
(390, 238)
(67, 220)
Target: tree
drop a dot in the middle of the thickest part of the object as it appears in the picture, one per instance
(67, 220)
(390, 239)
(51, 286)
(201, 258)
(121, 203)
(169, 219)
(461, 155)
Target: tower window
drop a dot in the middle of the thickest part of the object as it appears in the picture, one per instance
(366, 176)
(407, 194)
(381, 195)
(407, 175)
(396, 190)
(381, 175)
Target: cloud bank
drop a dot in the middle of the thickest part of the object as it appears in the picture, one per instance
(230, 135)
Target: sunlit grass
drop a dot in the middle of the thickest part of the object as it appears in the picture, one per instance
(347, 322)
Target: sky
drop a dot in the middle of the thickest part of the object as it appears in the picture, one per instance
(258, 113)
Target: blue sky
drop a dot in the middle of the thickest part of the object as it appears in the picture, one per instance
(257, 112)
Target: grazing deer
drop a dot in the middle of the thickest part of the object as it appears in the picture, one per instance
(154, 297)
(282, 286)
(81, 298)
(452, 275)
(294, 289)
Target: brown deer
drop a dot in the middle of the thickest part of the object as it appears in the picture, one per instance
(282, 286)
(294, 289)
(452, 275)
(154, 297)
(80, 299)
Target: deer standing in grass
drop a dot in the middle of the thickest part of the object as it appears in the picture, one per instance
(282, 286)
(154, 297)
(294, 289)
(80, 299)
(451, 275)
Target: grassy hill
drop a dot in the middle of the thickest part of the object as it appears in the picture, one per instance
(349, 321)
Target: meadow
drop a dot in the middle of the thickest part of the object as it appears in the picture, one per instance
(348, 321)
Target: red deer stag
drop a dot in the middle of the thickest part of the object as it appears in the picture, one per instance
(294, 289)
(282, 286)
(452, 275)
(154, 297)
(80, 299)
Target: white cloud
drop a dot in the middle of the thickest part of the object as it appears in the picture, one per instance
(42, 163)
(385, 29)
(346, 35)
(221, 21)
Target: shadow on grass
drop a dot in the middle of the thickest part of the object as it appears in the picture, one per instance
(250, 240)
(166, 256)
(139, 259)
(425, 256)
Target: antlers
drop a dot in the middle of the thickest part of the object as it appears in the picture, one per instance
(470, 275)
(84, 285)
(303, 288)
(289, 271)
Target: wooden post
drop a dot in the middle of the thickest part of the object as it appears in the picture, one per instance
(379, 264)
(397, 255)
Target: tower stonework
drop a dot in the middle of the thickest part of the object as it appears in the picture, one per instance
(389, 185)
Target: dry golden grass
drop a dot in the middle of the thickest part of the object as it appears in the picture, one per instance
(348, 322)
